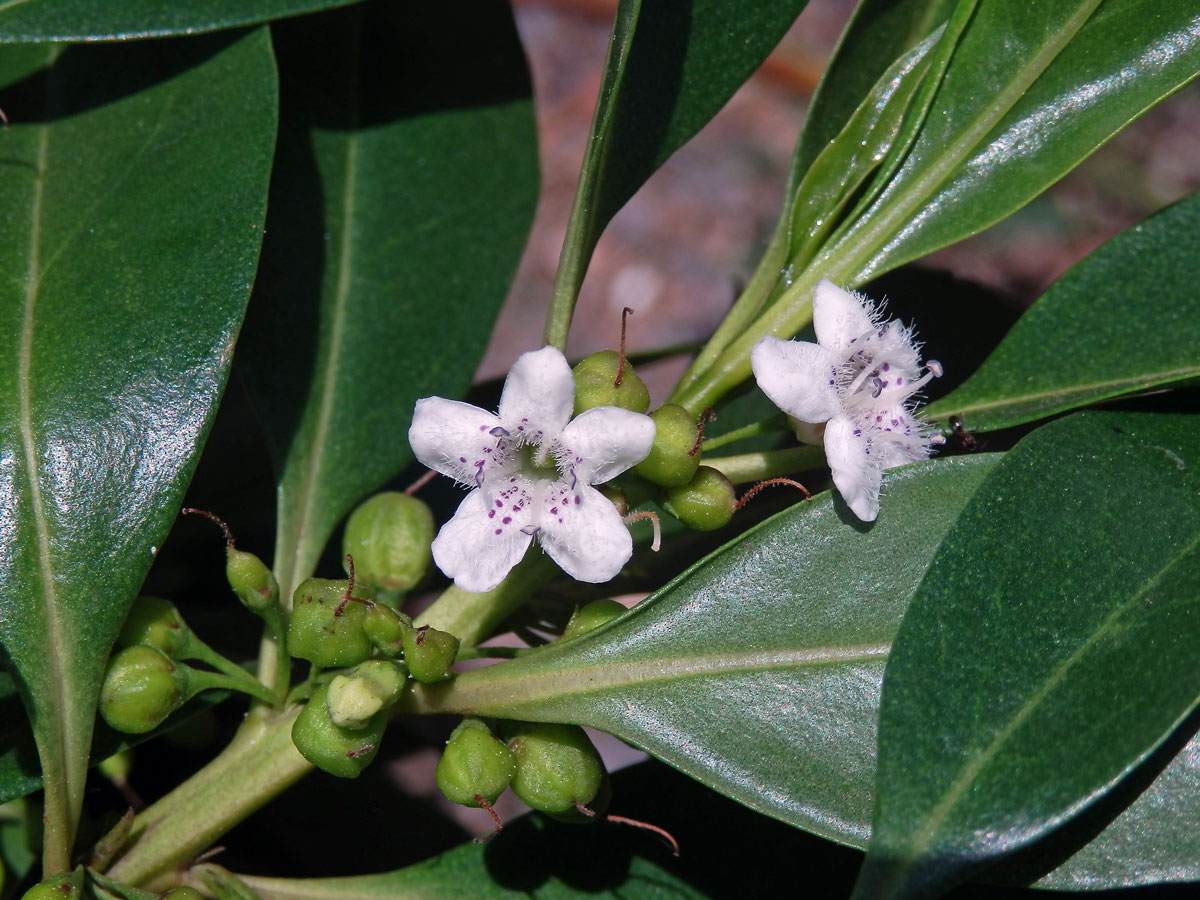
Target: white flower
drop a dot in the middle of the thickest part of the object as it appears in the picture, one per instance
(860, 380)
(530, 467)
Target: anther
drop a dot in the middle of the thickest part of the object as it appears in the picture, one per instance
(498, 431)
(934, 367)
(749, 495)
(876, 387)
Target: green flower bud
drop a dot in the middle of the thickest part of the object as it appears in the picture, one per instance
(430, 654)
(706, 503)
(155, 622)
(671, 462)
(339, 751)
(251, 580)
(475, 764)
(389, 536)
(558, 769)
(589, 616)
(355, 698)
(595, 384)
(326, 627)
(66, 886)
(141, 688)
(386, 628)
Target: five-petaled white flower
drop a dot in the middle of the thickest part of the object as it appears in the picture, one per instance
(531, 468)
(860, 380)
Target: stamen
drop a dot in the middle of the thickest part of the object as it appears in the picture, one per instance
(479, 476)
(641, 517)
(749, 495)
(498, 432)
(625, 313)
(531, 530)
(876, 387)
(937, 439)
(497, 825)
(934, 367)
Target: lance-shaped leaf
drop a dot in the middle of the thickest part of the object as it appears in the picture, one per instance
(1048, 651)
(404, 188)
(757, 672)
(670, 69)
(1125, 319)
(1030, 92)
(85, 20)
(130, 230)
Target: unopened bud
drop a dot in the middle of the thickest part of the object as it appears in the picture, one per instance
(706, 503)
(674, 456)
(389, 537)
(475, 765)
(326, 627)
(141, 688)
(596, 384)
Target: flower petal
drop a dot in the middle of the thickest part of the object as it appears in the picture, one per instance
(604, 441)
(800, 378)
(585, 536)
(478, 551)
(539, 393)
(856, 474)
(452, 437)
(839, 317)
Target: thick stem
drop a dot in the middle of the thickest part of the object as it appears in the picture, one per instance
(259, 764)
(472, 617)
(751, 467)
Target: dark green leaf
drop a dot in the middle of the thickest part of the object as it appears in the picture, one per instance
(130, 227)
(1020, 688)
(670, 68)
(757, 672)
(1125, 319)
(404, 188)
(89, 20)
(1031, 91)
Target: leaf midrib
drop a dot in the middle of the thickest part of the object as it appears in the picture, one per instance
(887, 224)
(1147, 379)
(544, 685)
(981, 760)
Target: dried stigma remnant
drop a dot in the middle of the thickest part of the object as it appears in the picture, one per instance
(859, 381)
(531, 468)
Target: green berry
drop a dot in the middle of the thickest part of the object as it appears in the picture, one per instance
(339, 751)
(429, 654)
(558, 769)
(589, 616)
(474, 764)
(388, 537)
(251, 580)
(706, 503)
(66, 886)
(385, 628)
(353, 699)
(595, 384)
(141, 688)
(155, 622)
(327, 628)
(672, 462)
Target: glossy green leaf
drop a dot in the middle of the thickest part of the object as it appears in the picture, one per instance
(130, 229)
(670, 69)
(757, 671)
(1125, 319)
(1031, 91)
(88, 20)
(1020, 689)
(404, 188)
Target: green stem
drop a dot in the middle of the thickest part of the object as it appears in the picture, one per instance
(770, 425)
(472, 617)
(259, 764)
(751, 467)
(241, 680)
(201, 680)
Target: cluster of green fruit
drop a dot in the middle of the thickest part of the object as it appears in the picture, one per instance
(699, 496)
